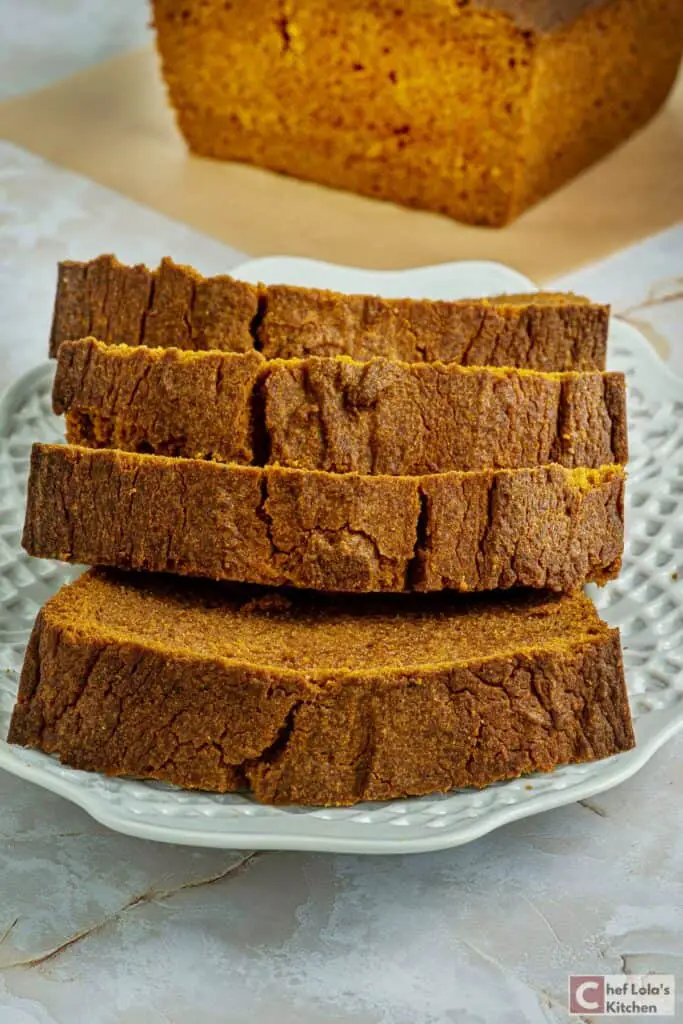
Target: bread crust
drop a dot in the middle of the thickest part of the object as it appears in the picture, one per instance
(204, 689)
(447, 106)
(336, 414)
(176, 307)
(544, 527)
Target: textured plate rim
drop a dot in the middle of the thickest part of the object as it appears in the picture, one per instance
(617, 770)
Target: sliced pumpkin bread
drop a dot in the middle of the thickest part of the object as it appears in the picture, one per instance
(543, 527)
(302, 698)
(176, 307)
(337, 414)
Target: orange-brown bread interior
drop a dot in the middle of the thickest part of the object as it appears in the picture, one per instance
(303, 699)
(475, 110)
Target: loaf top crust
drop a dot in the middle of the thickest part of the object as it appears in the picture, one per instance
(293, 631)
(540, 16)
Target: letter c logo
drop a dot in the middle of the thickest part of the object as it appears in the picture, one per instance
(581, 998)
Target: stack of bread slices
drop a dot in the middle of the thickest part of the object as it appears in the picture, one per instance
(340, 541)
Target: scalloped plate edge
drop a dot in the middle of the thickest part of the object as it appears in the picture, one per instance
(620, 768)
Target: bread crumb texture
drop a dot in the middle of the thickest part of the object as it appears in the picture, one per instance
(545, 527)
(175, 307)
(472, 109)
(336, 414)
(301, 698)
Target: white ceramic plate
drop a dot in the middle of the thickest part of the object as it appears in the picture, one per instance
(646, 602)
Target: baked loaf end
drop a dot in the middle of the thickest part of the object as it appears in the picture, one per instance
(305, 700)
(544, 527)
(175, 307)
(364, 96)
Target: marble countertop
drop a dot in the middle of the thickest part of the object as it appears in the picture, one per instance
(42, 42)
(99, 928)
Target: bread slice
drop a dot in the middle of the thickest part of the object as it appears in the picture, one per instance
(305, 699)
(545, 527)
(336, 414)
(175, 307)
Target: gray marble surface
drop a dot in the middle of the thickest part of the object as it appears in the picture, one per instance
(111, 929)
(48, 214)
(98, 928)
(42, 41)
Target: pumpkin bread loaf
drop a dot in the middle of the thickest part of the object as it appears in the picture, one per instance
(175, 307)
(302, 698)
(545, 527)
(335, 414)
(474, 108)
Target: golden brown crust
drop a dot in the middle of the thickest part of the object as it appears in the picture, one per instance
(337, 415)
(545, 527)
(116, 663)
(174, 306)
